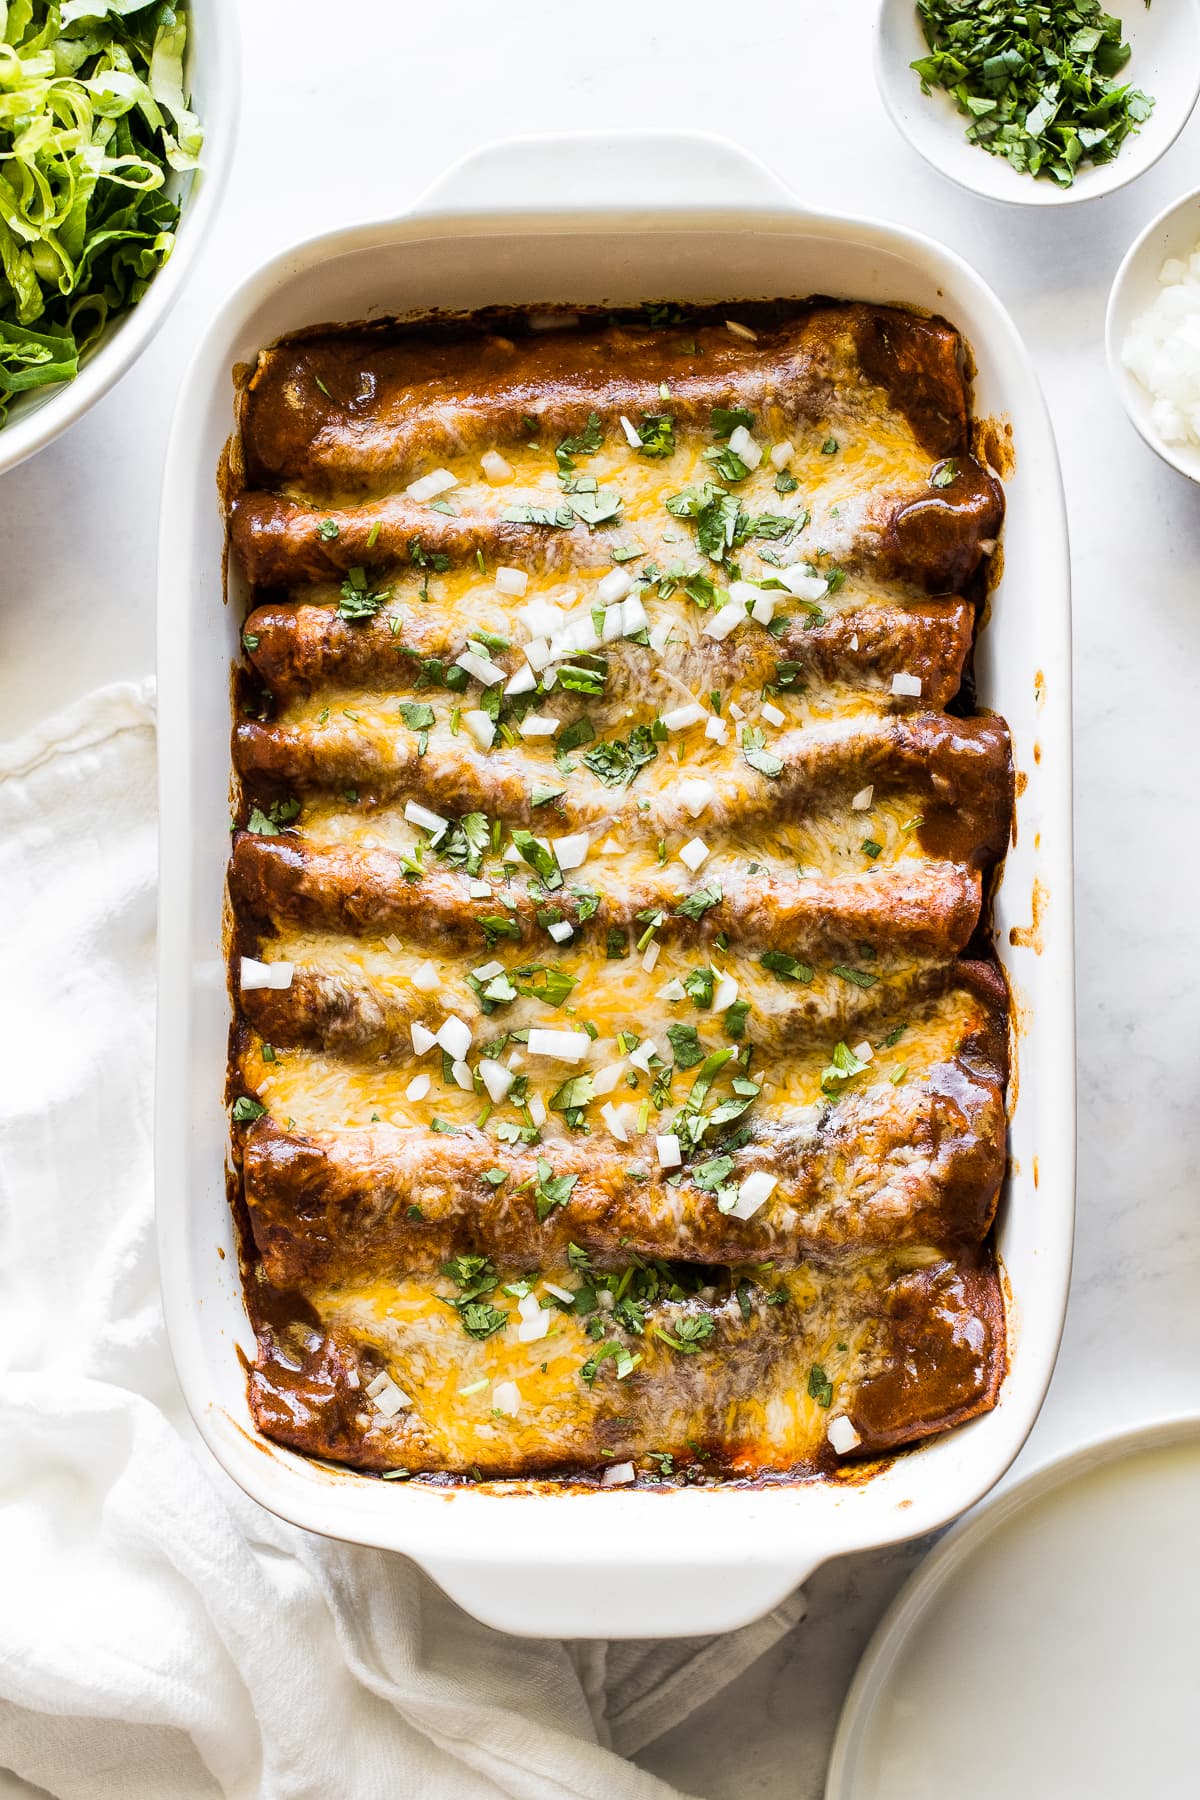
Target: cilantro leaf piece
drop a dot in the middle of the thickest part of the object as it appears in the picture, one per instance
(540, 860)
(695, 905)
(359, 600)
(820, 1388)
(617, 761)
(552, 1190)
(657, 432)
(788, 968)
(686, 1047)
(246, 1110)
(690, 1334)
(726, 419)
(758, 756)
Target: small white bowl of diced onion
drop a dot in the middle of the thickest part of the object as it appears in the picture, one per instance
(1153, 335)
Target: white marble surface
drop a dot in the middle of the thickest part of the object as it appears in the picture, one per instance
(352, 111)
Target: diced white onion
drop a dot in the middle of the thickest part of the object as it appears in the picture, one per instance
(908, 685)
(481, 667)
(854, 641)
(423, 1039)
(537, 1110)
(754, 1192)
(539, 725)
(772, 714)
(782, 454)
(523, 682)
(862, 800)
(461, 1072)
(479, 890)
(431, 485)
(386, 1397)
(618, 1475)
(613, 586)
(742, 331)
(454, 1035)
(571, 852)
(426, 978)
(392, 942)
(560, 1293)
(650, 958)
(725, 993)
(612, 1118)
(417, 1088)
(680, 717)
(673, 990)
(727, 618)
(640, 1057)
(564, 1046)
(743, 445)
(842, 1435)
(804, 583)
(496, 1079)
(717, 729)
(496, 468)
(694, 853)
(481, 727)
(696, 794)
(634, 615)
(660, 635)
(633, 436)
(511, 581)
(763, 610)
(605, 1080)
(735, 711)
(506, 1398)
(535, 1319)
(864, 1052)
(669, 1154)
(561, 931)
(541, 617)
(265, 975)
(416, 814)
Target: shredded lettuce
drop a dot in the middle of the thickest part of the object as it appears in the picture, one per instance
(94, 119)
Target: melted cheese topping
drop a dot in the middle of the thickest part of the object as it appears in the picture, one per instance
(857, 1035)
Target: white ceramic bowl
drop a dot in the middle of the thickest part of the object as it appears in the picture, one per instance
(1165, 39)
(213, 69)
(1175, 232)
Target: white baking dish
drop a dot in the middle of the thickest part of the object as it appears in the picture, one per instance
(616, 219)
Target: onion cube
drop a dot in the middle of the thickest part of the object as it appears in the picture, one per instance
(431, 485)
(842, 1435)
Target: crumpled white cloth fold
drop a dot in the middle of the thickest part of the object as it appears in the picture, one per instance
(161, 1637)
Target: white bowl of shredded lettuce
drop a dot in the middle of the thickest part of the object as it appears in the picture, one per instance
(116, 127)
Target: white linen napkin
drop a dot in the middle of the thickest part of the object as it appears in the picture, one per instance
(162, 1637)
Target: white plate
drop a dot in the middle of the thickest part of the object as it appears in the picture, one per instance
(36, 418)
(1165, 39)
(1175, 232)
(1049, 1647)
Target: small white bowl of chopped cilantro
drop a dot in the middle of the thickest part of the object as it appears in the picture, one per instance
(1039, 102)
(1152, 334)
(116, 128)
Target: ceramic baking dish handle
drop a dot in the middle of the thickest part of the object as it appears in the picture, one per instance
(638, 1597)
(605, 171)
